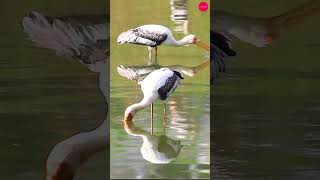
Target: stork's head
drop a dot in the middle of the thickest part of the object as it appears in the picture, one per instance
(189, 39)
(192, 39)
(128, 114)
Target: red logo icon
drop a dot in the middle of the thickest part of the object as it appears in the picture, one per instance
(203, 6)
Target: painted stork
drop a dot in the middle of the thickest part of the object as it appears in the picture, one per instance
(155, 149)
(154, 35)
(159, 84)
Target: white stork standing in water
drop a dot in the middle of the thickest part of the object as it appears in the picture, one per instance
(154, 35)
(159, 84)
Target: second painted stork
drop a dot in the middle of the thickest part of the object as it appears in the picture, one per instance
(153, 35)
(159, 84)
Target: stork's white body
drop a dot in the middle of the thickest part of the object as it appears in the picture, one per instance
(150, 88)
(155, 80)
(153, 30)
(153, 35)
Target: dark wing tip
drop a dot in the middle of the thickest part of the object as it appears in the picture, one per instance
(222, 42)
(178, 74)
(231, 52)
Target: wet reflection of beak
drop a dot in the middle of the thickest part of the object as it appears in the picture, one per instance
(129, 117)
(128, 120)
(201, 66)
(202, 45)
(128, 124)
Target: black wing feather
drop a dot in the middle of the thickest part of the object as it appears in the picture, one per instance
(170, 85)
(156, 37)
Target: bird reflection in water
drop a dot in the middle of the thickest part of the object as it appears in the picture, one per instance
(85, 38)
(179, 15)
(155, 149)
(138, 73)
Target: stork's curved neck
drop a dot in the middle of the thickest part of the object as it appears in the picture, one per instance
(182, 42)
(138, 106)
(149, 140)
(135, 131)
(68, 155)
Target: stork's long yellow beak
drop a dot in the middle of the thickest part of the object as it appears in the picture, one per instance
(202, 45)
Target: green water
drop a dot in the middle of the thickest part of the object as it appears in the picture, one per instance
(44, 97)
(266, 106)
(188, 110)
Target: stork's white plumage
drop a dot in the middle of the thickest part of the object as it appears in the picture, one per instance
(159, 84)
(154, 35)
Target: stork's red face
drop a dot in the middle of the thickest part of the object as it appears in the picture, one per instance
(194, 40)
(201, 44)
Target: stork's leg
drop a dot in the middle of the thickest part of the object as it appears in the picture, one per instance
(151, 115)
(164, 116)
(156, 58)
(150, 55)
